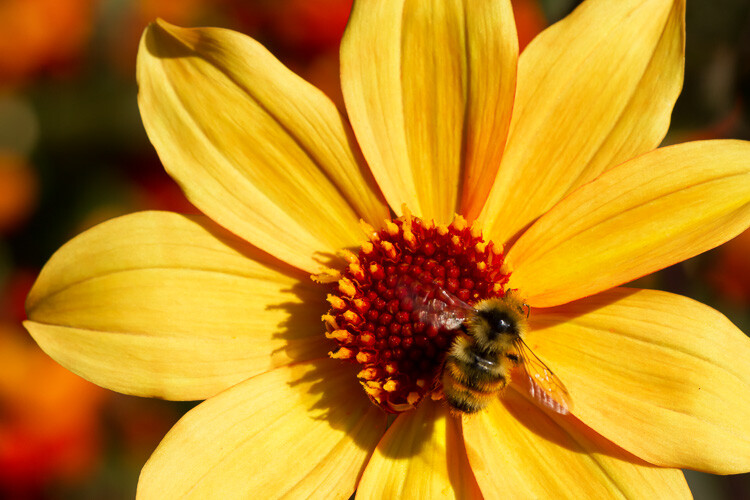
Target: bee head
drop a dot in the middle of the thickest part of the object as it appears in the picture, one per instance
(497, 323)
(500, 322)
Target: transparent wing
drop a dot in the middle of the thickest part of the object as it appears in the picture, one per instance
(544, 386)
(437, 307)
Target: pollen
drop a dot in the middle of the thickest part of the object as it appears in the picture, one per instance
(374, 319)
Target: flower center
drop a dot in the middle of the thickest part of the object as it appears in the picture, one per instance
(375, 315)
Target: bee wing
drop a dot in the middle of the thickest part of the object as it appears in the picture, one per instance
(448, 310)
(451, 300)
(544, 386)
(437, 307)
(438, 314)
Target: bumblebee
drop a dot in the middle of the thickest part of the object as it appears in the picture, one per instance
(488, 346)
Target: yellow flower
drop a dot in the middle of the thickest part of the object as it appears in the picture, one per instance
(551, 153)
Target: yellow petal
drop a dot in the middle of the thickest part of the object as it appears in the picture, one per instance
(593, 91)
(165, 305)
(303, 431)
(651, 212)
(661, 375)
(517, 451)
(255, 147)
(421, 456)
(429, 88)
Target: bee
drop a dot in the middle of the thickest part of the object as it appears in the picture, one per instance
(488, 346)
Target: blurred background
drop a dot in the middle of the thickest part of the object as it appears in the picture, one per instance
(73, 153)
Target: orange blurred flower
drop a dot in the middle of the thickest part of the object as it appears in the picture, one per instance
(18, 190)
(530, 20)
(731, 273)
(41, 34)
(49, 428)
(309, 26)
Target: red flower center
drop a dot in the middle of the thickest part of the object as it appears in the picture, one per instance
(373, 317)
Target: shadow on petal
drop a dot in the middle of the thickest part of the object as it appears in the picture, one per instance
(566, 431)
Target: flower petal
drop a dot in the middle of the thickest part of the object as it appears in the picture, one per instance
(518, 451)
(651, 212)
(303, 431)
(421, 456)
(255, 147)
(647, 369)
(165, 305)
(431, 104)
(593, 91)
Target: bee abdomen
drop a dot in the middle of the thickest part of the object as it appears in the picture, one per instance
(468, 392)
(464, 403)
(476, 370)
(473, 380)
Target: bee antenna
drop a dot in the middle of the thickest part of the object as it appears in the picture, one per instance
(510, 291)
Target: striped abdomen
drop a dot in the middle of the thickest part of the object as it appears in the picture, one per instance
(471, 378)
